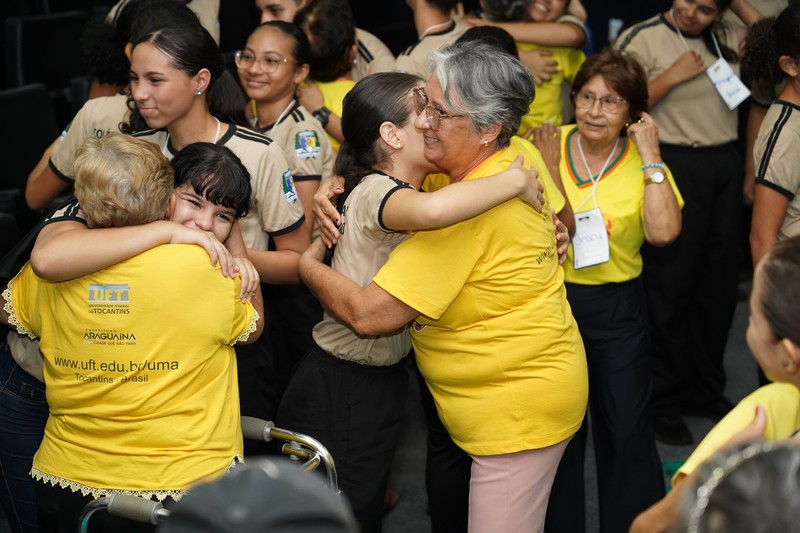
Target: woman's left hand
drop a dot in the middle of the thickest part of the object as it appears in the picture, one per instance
(644, 133)
(326, 216)
(249, 276)
(547, 138)
(562, 237)
(540, 63)
(309, 96)
(533, 191)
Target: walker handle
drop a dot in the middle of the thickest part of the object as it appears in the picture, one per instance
(135, 508)
(256, 428)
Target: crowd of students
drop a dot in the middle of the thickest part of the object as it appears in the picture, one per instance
(322, 306)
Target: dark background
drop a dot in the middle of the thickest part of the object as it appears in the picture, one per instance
(391, 20)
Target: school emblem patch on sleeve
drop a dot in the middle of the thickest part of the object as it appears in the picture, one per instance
(306, 144)
(288, 187)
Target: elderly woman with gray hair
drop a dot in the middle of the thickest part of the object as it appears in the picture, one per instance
(492, 330)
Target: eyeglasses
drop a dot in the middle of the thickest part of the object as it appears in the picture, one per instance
(268, 63)
(433, 115)
(608, 103)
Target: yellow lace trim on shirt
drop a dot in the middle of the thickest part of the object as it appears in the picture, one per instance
(86, 490)
(246, 335)
(12, 317)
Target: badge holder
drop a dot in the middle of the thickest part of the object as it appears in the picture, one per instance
(590, 243)
(727, 84)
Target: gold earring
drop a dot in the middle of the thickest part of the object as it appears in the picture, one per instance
(485, 142)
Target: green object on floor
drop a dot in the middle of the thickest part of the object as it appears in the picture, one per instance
(670, 467)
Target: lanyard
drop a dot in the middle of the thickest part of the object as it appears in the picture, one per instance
(595, 179)
(683, 40)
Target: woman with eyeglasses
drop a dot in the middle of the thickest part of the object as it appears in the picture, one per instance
(274, 62)
(622, 195)
(271, 66)
(350, 389)
(491, 328)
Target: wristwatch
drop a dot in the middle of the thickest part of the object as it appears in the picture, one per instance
(657, 177)
(322, 114)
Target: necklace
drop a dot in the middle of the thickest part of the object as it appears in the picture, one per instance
(435, 27)
(216, 138)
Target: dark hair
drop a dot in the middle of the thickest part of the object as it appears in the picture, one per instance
(104, 41)
(190, 48)
(444, 6)
(378, 98)
(718, 30)
(505, 10)
(493, 36)
(301, 49)
(622, 73)
(215, 173)
(780, 294)
(768, 40)
(331, 32)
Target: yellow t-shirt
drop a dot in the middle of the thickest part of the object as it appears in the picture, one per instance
(333, 93)
(548, 103)
(780, 401)
(496, 340)
(620, 197)
(140, 372)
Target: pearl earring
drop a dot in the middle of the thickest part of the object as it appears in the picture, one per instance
(398, 145)
(199, 92)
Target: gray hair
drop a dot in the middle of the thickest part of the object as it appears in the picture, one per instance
(486, 84)
(749, 488)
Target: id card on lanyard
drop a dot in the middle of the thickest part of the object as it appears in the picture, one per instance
(590, 244)
(727, 84)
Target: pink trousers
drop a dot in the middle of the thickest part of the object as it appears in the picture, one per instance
(508, 493)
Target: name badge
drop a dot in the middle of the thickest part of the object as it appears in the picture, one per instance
(590, 243)
(727, 83)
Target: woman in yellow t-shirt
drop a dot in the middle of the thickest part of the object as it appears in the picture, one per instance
(772, 412)
(492, 331)
(364, 378)
(622, 195)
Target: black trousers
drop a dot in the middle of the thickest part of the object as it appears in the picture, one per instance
(356, 411)
(691, 283)
(292, 312)
(257, 392)
(447, 471)
(612, 319)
